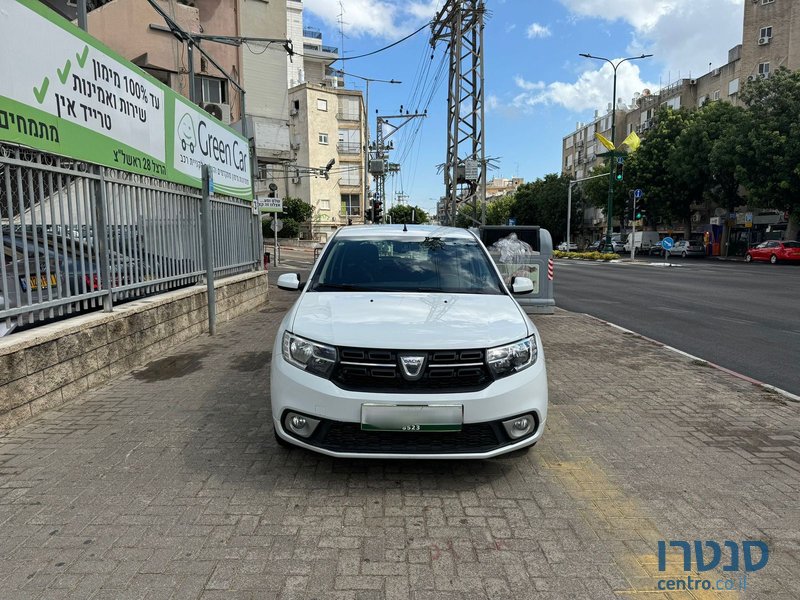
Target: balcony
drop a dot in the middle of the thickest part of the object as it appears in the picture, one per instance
(348, 147)
(348, 116)
(312, 33)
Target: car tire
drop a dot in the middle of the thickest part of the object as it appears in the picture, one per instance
(773, 259)
(748, 258)
(280, 441)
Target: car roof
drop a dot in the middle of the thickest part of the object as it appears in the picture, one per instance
(384, 231)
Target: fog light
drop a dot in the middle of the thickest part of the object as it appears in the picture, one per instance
(300, 425)
(520, 426)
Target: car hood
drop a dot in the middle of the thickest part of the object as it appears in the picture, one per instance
(411, 321)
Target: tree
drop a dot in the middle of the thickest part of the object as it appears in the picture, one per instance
(402, 213)
(498, 211)
(297, 210)
(654, 169)
(544, 202)
(770, 159)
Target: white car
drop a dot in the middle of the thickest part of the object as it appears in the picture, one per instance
(405, 343)
(571, 247)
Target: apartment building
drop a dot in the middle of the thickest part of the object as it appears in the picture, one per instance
(769, 41)
(498, 187)
(580, 149)
(328, 123)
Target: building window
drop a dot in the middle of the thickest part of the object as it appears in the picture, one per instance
(763, 69)
(212, 90)
(324, 204)
(348, 108)
(351, 175)
(322, 104)
(351, 205)
(715, 95)
(349, 141)
(323, 138)
(767, 2)
(765, 34)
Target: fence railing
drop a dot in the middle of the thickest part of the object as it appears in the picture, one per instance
(78, 237)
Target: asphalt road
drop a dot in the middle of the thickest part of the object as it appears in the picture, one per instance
(745, 317)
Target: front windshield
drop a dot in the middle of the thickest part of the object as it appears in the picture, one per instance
(408, 264)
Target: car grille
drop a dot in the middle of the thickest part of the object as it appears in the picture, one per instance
(348, 437)
(373, 370)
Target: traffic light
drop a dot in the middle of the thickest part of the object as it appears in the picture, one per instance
(377, 211)
(619, 169)
(368, 215)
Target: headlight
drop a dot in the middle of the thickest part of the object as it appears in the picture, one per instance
(506, 360)
(315, 358)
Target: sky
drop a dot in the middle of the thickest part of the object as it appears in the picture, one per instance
(537, 88)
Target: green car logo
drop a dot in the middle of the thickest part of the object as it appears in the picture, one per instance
(186, 133)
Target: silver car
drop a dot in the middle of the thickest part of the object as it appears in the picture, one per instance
(684, 248)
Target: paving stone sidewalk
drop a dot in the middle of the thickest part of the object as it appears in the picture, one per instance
(168, 484)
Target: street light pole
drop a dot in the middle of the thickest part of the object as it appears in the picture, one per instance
(368, 80)
(613, 153)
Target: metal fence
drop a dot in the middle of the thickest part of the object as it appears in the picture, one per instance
(78, 237)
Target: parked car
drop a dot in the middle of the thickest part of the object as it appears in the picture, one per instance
(685, 248)
(406, 343)
(572, 247)
(595, 246)
(775, 251)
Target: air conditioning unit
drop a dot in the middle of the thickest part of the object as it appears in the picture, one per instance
(294, 146)
(715, 72)
(295, 180)
(293, 112)
(763, 41)
(221, 111)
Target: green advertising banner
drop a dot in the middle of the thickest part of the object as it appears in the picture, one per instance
(64, 92)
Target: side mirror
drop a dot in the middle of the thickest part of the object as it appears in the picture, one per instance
(289, 281)
(521, 285)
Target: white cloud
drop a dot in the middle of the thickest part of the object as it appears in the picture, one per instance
(377, 18)
(590, 91)
(683, 35)
(535, 30)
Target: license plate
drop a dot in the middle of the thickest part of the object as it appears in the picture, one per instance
(410, 418)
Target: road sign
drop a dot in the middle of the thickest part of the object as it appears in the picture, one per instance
(269, 204)
(276, 225)
(637, 193)
(512, 222)
(748, 219)
(667, 243)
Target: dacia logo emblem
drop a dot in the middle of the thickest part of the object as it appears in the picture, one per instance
(412, 366)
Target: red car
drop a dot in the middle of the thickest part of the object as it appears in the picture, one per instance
(774, 251)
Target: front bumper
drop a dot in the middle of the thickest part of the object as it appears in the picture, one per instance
(339, 433)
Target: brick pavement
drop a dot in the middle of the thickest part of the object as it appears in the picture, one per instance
(168, 484)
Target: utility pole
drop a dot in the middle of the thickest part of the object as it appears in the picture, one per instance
(460, 25)
(379, 167)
